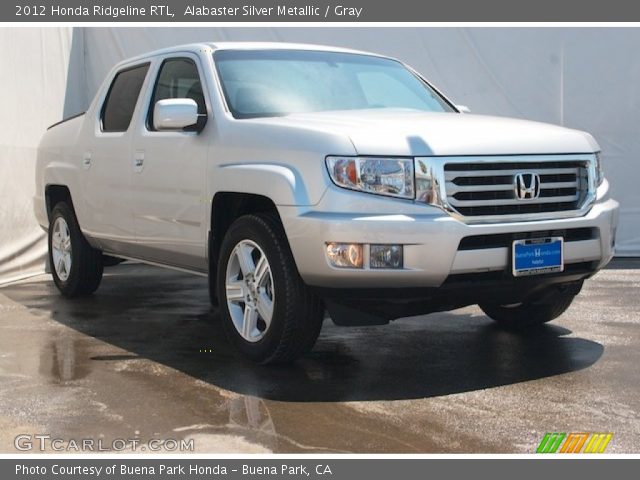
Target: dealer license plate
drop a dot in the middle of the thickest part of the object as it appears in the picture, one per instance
(537, 256)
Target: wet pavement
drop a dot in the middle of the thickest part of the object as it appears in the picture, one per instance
(145, 357)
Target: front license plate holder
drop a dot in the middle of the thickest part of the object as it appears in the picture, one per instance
(537, 256)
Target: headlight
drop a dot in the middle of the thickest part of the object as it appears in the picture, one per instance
(383, 176)
(599, 169)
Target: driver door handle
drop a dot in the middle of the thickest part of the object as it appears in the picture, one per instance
(138, 162)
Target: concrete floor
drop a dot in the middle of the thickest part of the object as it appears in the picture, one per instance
(144, 357)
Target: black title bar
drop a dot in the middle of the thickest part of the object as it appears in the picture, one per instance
(317, 469)
(74, 11)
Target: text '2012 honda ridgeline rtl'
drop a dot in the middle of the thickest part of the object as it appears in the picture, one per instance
(302, 179)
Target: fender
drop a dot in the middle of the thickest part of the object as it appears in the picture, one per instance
(58, 163)
(64, 172)
(283, 184)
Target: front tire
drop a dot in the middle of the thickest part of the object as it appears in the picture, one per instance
(529, 314)
(268, 312)
(76, 266)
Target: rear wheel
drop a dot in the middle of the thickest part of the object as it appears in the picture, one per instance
(529, 314)
(76, 266)
(268, 312)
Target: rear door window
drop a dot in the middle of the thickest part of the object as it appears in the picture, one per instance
(122, 98)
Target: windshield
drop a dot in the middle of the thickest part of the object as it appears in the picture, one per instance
(267, 83)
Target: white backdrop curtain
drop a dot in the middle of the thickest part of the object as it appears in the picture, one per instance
(585, 78)
(36, 84)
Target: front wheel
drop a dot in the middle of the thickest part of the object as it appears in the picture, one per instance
(75, 265)
(529, 314)
(268, 312)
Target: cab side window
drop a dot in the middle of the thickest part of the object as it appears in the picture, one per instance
(122, 98)
(179, 78)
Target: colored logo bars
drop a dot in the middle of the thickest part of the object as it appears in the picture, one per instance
(574, 442)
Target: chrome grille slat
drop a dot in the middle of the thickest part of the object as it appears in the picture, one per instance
(482, 203)
(452, 188)
(574, 184)
(483, 188)
(451, 175)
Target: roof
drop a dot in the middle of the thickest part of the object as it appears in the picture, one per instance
(198, 47)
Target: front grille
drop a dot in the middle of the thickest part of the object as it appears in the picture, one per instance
(489, 188)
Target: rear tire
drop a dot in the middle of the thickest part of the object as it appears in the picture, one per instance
(257, 279)
(76, 266)
(212, 276)
(529, 314)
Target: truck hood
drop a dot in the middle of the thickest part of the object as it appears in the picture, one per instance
(412, 133)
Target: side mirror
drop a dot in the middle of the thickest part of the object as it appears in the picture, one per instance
(463, 109)
(175, 114)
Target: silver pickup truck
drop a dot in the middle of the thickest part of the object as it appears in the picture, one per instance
(306, 179)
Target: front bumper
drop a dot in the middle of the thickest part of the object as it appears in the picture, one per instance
(431, 239)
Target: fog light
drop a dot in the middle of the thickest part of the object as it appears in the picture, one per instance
(345, 255)
(386, 256)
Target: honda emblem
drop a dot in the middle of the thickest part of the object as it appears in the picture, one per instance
(527, 186)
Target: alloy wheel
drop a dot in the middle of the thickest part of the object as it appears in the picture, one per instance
(249, 290)
(61, 248)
